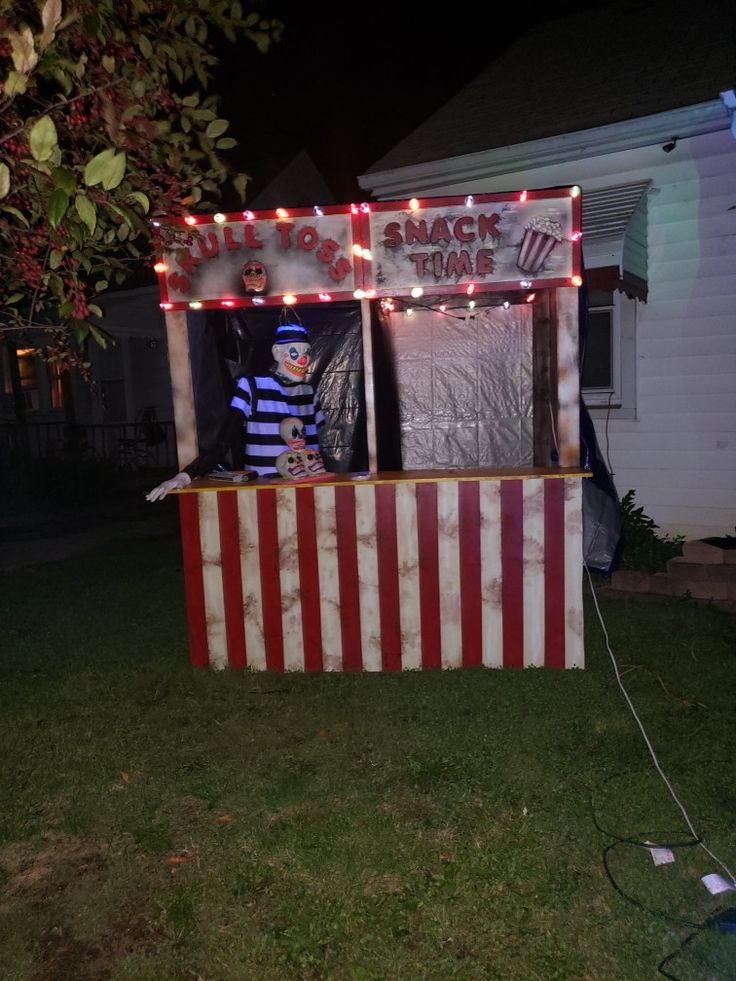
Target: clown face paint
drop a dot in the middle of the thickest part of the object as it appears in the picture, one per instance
(312, 460)
(255, 278)
(290, 466)
(292, 433)
(292, 360)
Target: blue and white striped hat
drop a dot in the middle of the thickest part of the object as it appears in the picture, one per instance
(286, 333)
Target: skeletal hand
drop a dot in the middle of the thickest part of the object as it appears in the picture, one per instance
(175, 483)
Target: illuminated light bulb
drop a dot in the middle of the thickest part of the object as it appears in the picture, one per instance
(219, 218)
(365, 208)
(531, 298)
(577, 280)
(506, 304)
(289, 299)
(248, 215)
(367, 255)
(160, 267)
(354, 209)
(576, 236)
(470, 289)
(318, 211)
(282, 213)
(574, 191)
(357, 249)
(471, 304)
(417, 292)
(190, 220)
(409, 312)
(227, 303)
(525, 284)
(156, 224)
(359, 294)
(325, 297)
(413, 204)
(258, 300)
(166, 306)
(469, 201)
(523, 196)
(387, 305)
(442, 307)
(196, 305)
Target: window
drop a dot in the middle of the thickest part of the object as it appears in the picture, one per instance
(609, 358)
(28, 371)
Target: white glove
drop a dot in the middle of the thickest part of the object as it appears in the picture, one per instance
(176, 483)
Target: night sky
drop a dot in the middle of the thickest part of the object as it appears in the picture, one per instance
(347, 91)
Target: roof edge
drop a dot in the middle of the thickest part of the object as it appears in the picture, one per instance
(630, 134)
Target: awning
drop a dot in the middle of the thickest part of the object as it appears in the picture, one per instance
(615, 238)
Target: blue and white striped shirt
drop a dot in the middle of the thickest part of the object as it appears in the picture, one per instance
(274, 400)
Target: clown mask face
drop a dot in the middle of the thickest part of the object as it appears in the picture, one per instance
(290, 466)
(292, 433)
(312, 460)
(292, 360)
(255, 278)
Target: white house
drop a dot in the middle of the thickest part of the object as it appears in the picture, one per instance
(634, 102)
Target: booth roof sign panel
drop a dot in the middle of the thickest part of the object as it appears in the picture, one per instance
(491, 241)
(245, 262)
(443, 245)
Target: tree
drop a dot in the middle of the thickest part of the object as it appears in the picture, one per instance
(106, 125)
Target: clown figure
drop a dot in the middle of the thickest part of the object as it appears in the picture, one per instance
(260, 407)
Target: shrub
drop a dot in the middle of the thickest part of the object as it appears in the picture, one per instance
(643, 548)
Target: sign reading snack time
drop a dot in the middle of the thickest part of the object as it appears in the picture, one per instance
(439, 245)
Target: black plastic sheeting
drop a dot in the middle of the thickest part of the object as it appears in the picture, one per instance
(224, 345)
(602, 539)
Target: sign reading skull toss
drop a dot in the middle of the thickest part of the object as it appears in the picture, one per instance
(244, 261)
(441, 245)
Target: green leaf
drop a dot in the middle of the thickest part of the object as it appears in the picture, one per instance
(95, 310)
(58, 204)
(239, 183)
(18, 214)
(64, 179)
(108, 63)
(99, 335)
(15, 84)
(101, 285)
(81, 330)
(227, 144)
(87, 211)
(141, 199)
(146, 47)
(14, 297)
(106, 168)
(4, 180)
(43, 138)
(63, 80)
(191, 101)
(55, 259)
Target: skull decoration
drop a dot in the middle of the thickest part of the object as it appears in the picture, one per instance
(290, 466)
(312, 460)
(292, 433)
(255, 277)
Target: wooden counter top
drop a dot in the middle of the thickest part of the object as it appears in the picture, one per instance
(390, 477)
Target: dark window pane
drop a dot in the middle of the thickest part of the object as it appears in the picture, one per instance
(597, 362)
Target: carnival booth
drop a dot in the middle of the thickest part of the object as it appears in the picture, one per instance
(447, 531)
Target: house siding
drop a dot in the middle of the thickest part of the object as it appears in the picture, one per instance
(677, 448)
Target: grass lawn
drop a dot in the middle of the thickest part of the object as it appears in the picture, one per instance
(161, 823)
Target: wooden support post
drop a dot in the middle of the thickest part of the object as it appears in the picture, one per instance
(368, 384)
(187, 445)
(568, 429)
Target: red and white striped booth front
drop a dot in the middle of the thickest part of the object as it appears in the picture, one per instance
(423, 569)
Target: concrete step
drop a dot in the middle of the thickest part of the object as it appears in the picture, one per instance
(682, 568)
(706, 554)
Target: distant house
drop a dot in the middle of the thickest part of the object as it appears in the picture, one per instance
(634, 102)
